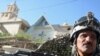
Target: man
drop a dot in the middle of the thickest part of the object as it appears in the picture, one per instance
(85, 36)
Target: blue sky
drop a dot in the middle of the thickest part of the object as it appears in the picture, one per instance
(55, 11)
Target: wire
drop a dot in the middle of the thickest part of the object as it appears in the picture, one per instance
(51, 6)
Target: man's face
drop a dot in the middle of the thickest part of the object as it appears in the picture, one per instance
(86, 42)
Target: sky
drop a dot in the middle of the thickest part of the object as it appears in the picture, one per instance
(55, 11)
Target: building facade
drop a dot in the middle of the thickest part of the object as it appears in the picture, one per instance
(42, 29)
(10, 22)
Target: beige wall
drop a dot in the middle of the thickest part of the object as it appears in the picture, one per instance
(12, 28)
(0, 31)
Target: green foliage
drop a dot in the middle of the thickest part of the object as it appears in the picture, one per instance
(59, 47)
(4, 34)
(23, 36)
(39, 40)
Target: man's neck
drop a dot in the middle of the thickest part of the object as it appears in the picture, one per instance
(83, 54)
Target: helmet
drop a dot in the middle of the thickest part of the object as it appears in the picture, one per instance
(88, 22)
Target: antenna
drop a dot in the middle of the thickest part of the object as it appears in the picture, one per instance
(14, 1)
